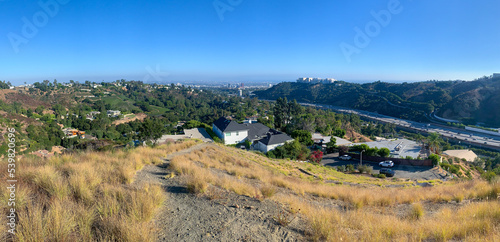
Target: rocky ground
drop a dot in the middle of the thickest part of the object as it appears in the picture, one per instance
(217, 216)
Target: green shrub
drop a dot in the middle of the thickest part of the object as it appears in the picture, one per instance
(350, 168)
(341, 168)
(365, 169)
(488, 176)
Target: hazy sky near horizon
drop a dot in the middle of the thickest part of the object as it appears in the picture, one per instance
(245, 40)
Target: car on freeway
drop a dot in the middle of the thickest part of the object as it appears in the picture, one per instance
(345, 157)
(387, 172)
(387, 163)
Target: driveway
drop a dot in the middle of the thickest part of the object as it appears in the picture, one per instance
(406, 172)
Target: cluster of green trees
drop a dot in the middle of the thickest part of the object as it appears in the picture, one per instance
(44, 136)
(292, 150)
(165, 105)
(406, 100)
(5, 85)
(372, 129)
(289, 117)
(382, 152)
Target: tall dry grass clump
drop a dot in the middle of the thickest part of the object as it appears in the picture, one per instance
(416, 211)
(367, 216)
(474, 222)
(87, 196)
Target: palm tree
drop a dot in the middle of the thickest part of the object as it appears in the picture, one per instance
(420, 139)
(434, 141)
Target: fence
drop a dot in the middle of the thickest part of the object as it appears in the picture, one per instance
(397, 161)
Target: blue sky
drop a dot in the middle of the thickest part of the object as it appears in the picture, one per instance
(245, 40)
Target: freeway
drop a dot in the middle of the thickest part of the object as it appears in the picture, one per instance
(461, 136)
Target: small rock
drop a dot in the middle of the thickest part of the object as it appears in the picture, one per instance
(236, 206)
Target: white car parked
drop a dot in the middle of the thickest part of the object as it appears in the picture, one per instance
(345, 157)
(387, 163)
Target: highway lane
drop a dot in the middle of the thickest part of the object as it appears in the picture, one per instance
(460, 135)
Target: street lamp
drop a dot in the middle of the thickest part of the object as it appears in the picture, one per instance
(361, 158)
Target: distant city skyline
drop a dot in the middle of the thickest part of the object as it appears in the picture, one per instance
(245, 41)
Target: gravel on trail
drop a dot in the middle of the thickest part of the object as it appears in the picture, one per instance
(223, 216)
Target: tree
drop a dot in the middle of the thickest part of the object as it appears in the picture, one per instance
(4, 85)
(339, 132)
(192, 124)
(151, 129)
(303, 136)
(39, 110)
(330, 146)
(384, 152)
(285, 111)
(292, 150)
(435, 159)
(344, 149)
(280, 113)
(434, 142)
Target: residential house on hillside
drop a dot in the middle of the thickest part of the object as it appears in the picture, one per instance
(272, 140)
(229, 131)
(262, 137)
(113, 113)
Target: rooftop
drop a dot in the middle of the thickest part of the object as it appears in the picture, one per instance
(468, 155)
(275, 137)
(226, 125)
(256, 131)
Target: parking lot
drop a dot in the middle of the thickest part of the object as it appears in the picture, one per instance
(406, 172)
(407, 147)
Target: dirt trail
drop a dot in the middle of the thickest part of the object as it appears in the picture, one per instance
(226, 217)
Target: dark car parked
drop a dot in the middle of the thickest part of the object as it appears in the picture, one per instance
(387, 172)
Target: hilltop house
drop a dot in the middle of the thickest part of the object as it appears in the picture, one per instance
(113, 113)
(262, 137)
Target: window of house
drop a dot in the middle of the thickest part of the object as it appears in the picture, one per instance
(237, 133)
(228, 134)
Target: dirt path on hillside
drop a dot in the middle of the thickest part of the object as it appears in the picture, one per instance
(225, 217)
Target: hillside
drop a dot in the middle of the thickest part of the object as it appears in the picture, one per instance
(208, 192)
(219, 193)
(470, 102)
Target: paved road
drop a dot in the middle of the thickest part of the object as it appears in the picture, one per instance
(406, 172)
(460, 135)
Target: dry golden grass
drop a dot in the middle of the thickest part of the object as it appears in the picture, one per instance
(241, 166)
(87, 196)
(364, 219)
(471, 222)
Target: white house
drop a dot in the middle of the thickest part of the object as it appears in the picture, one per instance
(113, 113)
(272, 140)
(262, 137)
(230, 131)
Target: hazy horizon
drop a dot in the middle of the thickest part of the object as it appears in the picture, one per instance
(241, 41)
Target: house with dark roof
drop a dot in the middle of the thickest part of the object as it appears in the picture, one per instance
(262, 137)
(272, 140)
(256, 131)
(229, 131)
